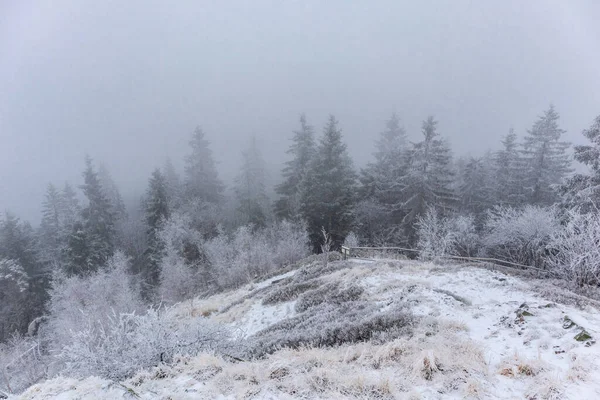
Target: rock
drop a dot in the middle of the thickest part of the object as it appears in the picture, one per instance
(583, 336)
(568, 323)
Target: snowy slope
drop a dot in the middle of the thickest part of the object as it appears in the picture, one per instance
(478, 334)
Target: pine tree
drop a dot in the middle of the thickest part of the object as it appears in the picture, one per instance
(546, 159)
(328, 189)
(302, 151)
(382, 184)
(250, 188)
(583, 190)
(201, 179)
(156, 214)
(429, 179)
(509, 172)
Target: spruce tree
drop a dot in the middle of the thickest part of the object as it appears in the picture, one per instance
(476, 192)
(428, 180)
(546, 159)
(202, 182)
(328, 189)
(250, 188)
(112, 193)
(97, 230)
(583, 190)
(173, 185)
(382, 184)
(509, 171)
(157, 213)
(52, 234)
(302, 151)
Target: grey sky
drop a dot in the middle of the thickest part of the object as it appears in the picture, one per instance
(127, 81)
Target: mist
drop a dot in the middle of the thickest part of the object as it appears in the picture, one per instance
(127, 82)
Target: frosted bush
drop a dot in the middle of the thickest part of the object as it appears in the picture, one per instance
(184, 266)
(574, 249)
(128, 342)
(436, 238)
(97, 297)
(520, 235)
(248, 254)
(351, 240)
(291, 242)
(465, 239)
(21, 364)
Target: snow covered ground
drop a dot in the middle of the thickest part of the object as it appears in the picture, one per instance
(477, 334)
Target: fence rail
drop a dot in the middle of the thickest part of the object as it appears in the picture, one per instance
(347, 252)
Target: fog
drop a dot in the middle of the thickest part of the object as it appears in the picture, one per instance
(127, 82)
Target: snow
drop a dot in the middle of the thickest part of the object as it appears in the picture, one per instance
(497, 338)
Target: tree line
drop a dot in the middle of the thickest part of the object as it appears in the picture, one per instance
(321, 189)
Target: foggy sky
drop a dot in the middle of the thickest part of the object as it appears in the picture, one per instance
(127, 81)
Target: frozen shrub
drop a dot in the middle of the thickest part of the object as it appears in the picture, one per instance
(330, 325)
(465, 240)
(574, 249)
(291, 242)
(351, 240)
(436, 238)
(184, 266)
(22, 364)
(97, 297)
(250, 253)
(520, 235)
(127, 343)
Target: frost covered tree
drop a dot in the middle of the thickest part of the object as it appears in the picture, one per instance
(202, 182)
(173, 183)
(508, 166)
(251, 189)
(91, 242)
(156, 207)
(328, 197)
(382, 185)
(302, 151)
(476, 191)
(52, 232)
(112, 193)
(18, 243)
(583, 190)
(14, 285)
(545, 159)
(428, 180)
